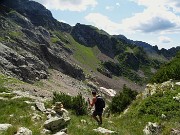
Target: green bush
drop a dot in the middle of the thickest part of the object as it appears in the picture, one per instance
(122, 100)
(161, 103)
(168, 71)
(64, 98)
(77, 103)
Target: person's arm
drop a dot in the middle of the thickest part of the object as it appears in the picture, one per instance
(93, 102)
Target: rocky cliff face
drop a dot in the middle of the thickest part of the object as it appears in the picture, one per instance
(26, 50)
(37, 13)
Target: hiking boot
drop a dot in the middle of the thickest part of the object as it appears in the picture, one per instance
(99, 123)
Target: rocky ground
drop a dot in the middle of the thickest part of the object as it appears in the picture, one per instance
(57, 82)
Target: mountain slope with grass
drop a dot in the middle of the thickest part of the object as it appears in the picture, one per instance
(44, 60)
(39, 42)
(141, 111)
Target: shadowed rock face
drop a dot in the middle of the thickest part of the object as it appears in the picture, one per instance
(37, 13)
(91, 36)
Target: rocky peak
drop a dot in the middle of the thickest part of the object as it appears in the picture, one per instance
(37, 13)
(91, 36)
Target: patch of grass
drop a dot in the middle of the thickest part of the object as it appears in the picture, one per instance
(15, 34)
(2, 39)
(3, 89)
(84, 55)
(11, 131)
(150, 110)
(39, 84)
(18, 113)
(54, 39)
(7, 95)
(134, 121)
(4, 80)
(76, 127)
(129, 50)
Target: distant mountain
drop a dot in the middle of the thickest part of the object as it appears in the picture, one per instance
(167, 53)
(168, 71)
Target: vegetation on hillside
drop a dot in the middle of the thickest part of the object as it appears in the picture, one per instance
(76, 104)
(122, 100)
(168, 71)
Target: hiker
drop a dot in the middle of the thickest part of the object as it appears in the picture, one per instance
(99, 105)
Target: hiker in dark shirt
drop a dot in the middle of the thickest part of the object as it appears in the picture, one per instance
(98, 107)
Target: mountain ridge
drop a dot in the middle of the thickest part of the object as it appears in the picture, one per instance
(168, 53)
(28, 27)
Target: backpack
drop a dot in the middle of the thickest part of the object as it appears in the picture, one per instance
(100, 103)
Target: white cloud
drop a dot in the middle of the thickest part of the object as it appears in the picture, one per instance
(155, 18)
(169, 4)
(109, 7)
(72, 5)
(163, 39)
(117, 4)
(103, 22)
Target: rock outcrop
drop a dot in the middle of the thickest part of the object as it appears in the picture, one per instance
(26, 50)
(23, 131)
(154, 88)
(4, 127)
(104, 131)
(152, 129)
(58, 119)
(27, 67)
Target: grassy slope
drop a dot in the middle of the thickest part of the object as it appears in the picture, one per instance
(16, 111)
(134, 121)
(87, 56)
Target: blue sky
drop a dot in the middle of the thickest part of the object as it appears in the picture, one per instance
(154, 21)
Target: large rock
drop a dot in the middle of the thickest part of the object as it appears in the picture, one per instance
(177, 97)
(40, 106)
(175, 132)
(60, 133)
(56, 123)
(4, 127)
(152, 129)
(104, 131)
(108, 92)
(23, 131)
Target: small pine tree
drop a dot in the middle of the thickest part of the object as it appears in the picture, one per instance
(77, 103)
(122, 100)
(64, 98)
(80, 105)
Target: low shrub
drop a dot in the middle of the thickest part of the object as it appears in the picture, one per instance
(161, 103)
(77, 103)
(64, 98)
(122, 100)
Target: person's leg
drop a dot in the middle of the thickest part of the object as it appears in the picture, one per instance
(94, 116)
(100, 119)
